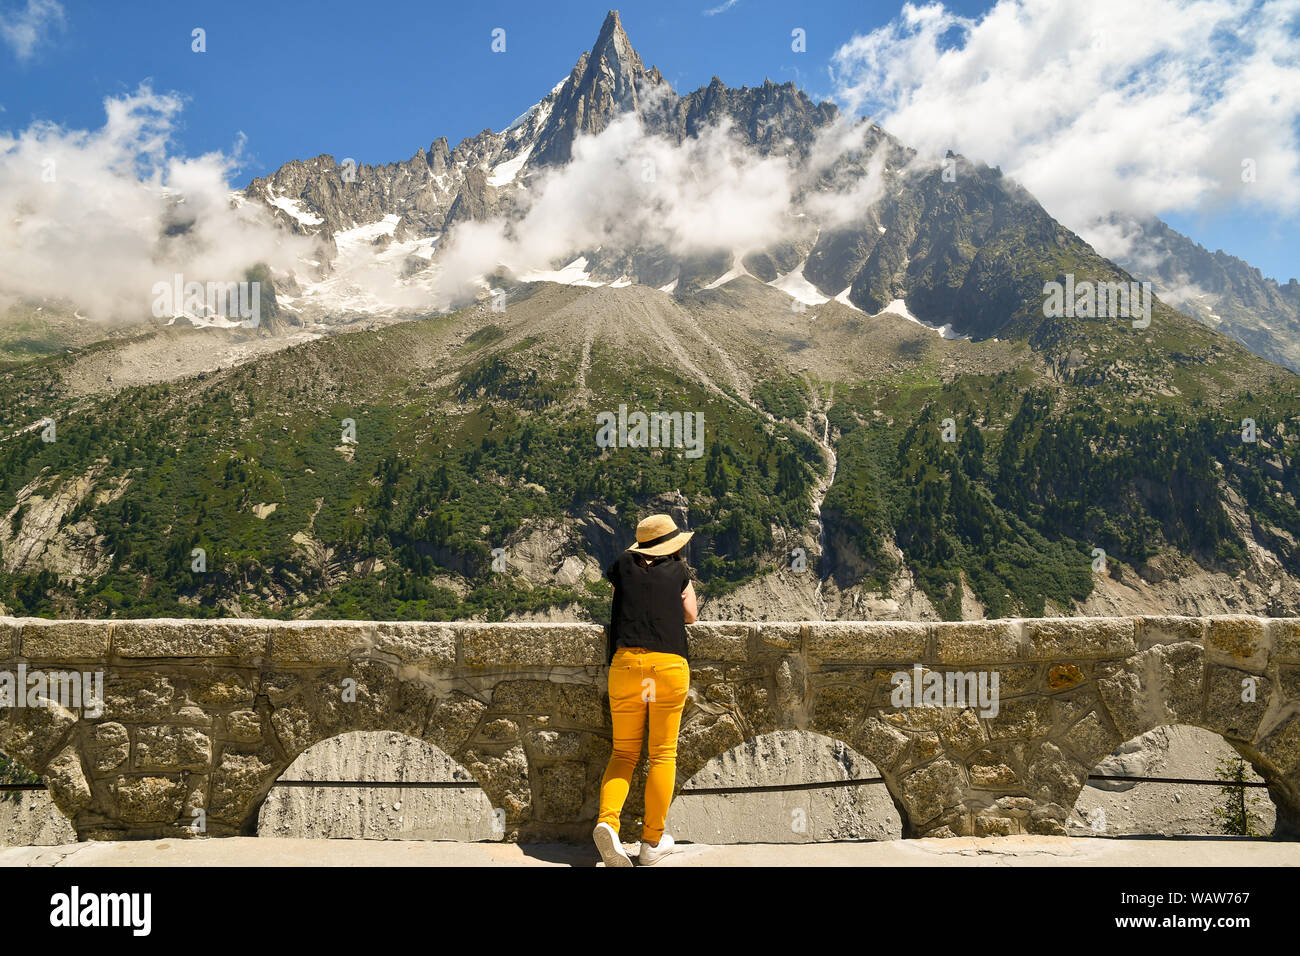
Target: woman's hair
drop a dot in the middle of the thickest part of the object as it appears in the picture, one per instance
(678, 555)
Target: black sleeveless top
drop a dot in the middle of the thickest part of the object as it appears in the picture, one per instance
(647, 608)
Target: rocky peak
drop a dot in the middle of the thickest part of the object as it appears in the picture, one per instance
(608, 80)
(612, 55)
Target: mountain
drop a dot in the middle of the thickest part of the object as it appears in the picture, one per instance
(1220, 290)
(871, 412)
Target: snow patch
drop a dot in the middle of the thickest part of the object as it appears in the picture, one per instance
(351, 239)
(899, 307)
(843, 299)
(575, 273)
(365, 279)
(797, 287)
(294, 208)
(735, 272)
(506, 172)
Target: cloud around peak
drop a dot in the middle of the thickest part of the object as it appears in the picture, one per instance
(1097, 105)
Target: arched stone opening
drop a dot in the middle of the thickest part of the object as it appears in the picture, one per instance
(810, 814)
(385, 811)
(1132, 808)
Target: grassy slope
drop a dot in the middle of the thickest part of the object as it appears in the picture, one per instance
(471, 427)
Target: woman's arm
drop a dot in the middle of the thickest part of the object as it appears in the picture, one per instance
(688, 603)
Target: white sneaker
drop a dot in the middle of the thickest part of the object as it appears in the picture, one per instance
(610, 846)
(650, 855)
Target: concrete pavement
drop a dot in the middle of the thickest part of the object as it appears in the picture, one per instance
(962, 851)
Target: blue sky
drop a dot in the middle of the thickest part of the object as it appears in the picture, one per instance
(377, 81)
(326, 77)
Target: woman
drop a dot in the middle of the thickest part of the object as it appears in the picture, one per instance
(649, 675)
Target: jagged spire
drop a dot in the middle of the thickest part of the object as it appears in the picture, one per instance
(608, 80)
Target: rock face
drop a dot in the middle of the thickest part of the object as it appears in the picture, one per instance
(784, 758)
(1122, 809)
(605, 82)
(198, 719)
(1224, 292)
(30, 818)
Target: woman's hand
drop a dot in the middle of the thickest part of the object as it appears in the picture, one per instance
(688, 603)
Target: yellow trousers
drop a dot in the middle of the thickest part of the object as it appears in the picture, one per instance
(644, 686)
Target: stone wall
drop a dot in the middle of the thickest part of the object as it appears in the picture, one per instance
(199, 718)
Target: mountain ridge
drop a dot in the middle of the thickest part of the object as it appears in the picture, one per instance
(881, 384)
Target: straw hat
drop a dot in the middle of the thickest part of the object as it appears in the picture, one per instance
(659, 535)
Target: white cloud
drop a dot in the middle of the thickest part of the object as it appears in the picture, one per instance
(625, 188)
(24, 30)
(721, 8)
(96, 217)
(1097, 105)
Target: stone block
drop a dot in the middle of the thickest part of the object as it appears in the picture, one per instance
(108, 745)
(979, 642)
(838, 709)
(556, 744)
(1238, 641)
(964, 734)
(452, 720)
(563, 789)
(172, 748)
(1020, 718)
(1226, 712)
(1056, 776)
(1061, 638)
(1284, 638)
(61, 641)
(32, 735)
(321, 642)
(504, 779)
(238, 782)
(1091, 739)
(143, 800)
(10, 630)
(570, 703)
(244, 726)
(140, 696)
(222, 690)
(880, 642)
(930, 790)
(543, 645)
(880, 743)
(702, 739)
(1161, 685)
(174, 638)
(1151, 629)
(423, 644)
(719, 641)
(293, 728)
(1064, 676)
(67, 782)
(755, 708)
(777, 638)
